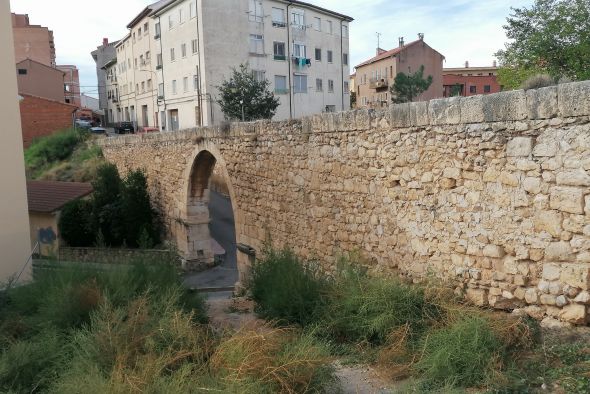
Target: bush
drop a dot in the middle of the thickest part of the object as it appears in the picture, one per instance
(286, 289)
(141, 228)
(538, 81)
(75, 226)
(53, 148)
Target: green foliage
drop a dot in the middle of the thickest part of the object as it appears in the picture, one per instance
(53, 148)
(552, 36)
(243, 96)
(352, 99)
(140, 226)
(286, 289)
(408, 87)
(456, 90)
(538, 81)
(74, 223)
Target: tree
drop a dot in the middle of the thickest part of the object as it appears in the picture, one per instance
(75, 225)
(106, 205)
(245, 98)
(141, 227)
(352, 99)
(407, 87)
(552, 37)
(456, 90)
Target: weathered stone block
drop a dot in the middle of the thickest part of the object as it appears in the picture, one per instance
(574, 99)
(445, 111)
(531, 296)
(576, 275)
(505, 106)
(400, 115)
(577, 177)
(542, 103)
(558, 251)
(549, 221)
(574, 313)
(519, 147)
(551, 271)
(567, 199)
(583, 298)
(477, 297)
(495, 251)
(472, 109)
(419, 113)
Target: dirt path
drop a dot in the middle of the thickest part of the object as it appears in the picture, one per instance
(227, 313)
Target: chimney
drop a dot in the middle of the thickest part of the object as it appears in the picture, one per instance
(495, 64)
(105, 41)
(466, 64)
(421, 36)
(401, 42)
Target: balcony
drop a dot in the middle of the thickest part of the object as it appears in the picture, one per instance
(378, 83)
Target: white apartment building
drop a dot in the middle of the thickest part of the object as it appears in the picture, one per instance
(168, 78)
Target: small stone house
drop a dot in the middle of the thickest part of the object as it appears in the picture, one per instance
(46, 199)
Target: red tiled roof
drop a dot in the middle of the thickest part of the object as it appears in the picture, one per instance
(50, 196)
(387, 54)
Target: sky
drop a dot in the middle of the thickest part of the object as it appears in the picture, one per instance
(462, 30)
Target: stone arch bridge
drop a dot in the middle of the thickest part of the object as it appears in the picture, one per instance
(489, 192)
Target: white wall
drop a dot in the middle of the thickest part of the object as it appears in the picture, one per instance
(14, 226)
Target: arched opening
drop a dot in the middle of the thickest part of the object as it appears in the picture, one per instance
(209, 225)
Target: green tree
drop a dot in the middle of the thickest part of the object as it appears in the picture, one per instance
(552, 37)
(407, 87)
(352, 99)
(141, 226)
(75, 226)
(243, 97)
(107, 216)
(456, 90)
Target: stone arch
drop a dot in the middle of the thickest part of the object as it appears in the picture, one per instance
(195, 199)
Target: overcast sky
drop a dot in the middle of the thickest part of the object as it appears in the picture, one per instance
(459, 29)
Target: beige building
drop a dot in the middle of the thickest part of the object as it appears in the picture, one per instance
(14, 233)
(375, 76)
(32, 41)
(38, 79)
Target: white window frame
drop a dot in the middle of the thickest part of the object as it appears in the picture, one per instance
(174, 86)
(319, 85)
(257, 44)
(180, 18)
(330, 56)
(183, 50)
(344, 31)
(195, 46)
(298, 18)
(256, 13)
(170, 22)
(299, 83)
(193, 9)
(278, 21)
(281, 90)
(330, 28)
(330, 86)
(317, 23)
(299, 50)
(185, 84)
(172, 55)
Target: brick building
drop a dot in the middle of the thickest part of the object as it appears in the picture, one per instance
(470, 81)
(38, 79)
(71, 84)
(32, 41)
(375, 76)
(41, 117)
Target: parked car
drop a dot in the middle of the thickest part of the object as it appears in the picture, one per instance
(83, 124)
(125, 127)
(98, 130)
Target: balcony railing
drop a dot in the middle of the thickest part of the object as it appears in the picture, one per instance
(377, 83)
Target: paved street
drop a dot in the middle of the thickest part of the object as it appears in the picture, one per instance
(223, 230)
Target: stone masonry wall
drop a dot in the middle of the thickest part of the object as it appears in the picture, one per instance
(488, 192)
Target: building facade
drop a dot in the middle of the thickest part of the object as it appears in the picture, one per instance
(375, 77)
(14, 232)
(38, 79)
(469, 81)
(103, 55)
(32, 41)
(42, 117)
(178, 52)
(71, 84)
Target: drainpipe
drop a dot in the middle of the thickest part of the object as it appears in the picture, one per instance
(200, 70)
(341, 66)
(163, 79)
(289, 62)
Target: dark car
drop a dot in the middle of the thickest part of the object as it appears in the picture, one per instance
(125, 127)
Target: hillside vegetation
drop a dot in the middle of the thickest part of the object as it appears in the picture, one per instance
(69, 155)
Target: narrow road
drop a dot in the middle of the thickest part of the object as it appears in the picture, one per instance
(223, 231)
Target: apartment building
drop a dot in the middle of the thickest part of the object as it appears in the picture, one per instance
(375, 76)
(469, 80)
(178, 52)
(71, 84)
(104, 54)
(33, 42)
(112, 107)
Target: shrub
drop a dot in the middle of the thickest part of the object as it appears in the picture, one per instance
(107, 216)
(52, 148)
(75, 224)
(538, 81)
(140, 218)
(287, 289)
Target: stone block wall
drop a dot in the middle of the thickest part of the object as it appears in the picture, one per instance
(490, 193)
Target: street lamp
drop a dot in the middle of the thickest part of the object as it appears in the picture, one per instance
(242, 104)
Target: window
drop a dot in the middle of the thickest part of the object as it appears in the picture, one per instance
(278, 17)
(149, 84)
(330, 57)
(161, 90)
(329, 30)
(22, 71)
(255, 14)
(317, 23)
(473, 89)
(195, 46)
(137, 88)
(330, 108)
(281, 84)
(347, 89)
(298, 18)
(319, 85)
(258, 75)
(172, 55)
(487, 88)
(142, 86)
(318, 54)
(170, 22)
(344, 31)
(183, 50)
(192, 9)
(279, 50)
(300, 83)
(133, 36)
(146, 28)
(139, 34)
(345, 62)
(331, 85)
(195, 82)
(174, 86)
(180, 19)
(141, 60)
(299, 50)
(256, 44)
(185, 84)
(159, 60)
(135, 63)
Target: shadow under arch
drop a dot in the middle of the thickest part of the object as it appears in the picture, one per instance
(195, 241)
